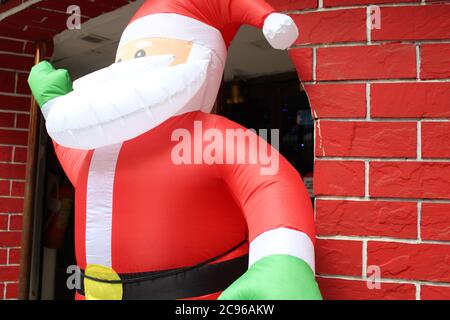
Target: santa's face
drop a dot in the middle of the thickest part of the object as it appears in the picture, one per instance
(141, 48)
(152, 80)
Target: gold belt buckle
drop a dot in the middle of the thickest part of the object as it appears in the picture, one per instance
(100, 283)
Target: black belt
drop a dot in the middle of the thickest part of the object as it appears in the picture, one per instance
(181, 283)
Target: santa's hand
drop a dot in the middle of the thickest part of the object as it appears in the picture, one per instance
(276, 277)
(47, 83)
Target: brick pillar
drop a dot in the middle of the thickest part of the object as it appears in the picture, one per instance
(381, 100)
(16, 59)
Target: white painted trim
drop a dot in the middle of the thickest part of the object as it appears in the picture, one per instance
(282, 241)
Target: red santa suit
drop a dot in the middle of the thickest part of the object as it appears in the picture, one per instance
(186, 230)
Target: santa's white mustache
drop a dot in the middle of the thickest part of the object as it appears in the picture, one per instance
(125, 100)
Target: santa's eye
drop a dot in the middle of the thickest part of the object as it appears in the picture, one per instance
(119, 61)
(140, 54)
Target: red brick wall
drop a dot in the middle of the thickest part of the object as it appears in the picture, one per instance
(16, 58)
(381, 99)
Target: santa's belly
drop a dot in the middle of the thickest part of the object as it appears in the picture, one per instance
(142, 214)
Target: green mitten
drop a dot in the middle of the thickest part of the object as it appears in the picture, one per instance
(277, 277)
(47, 83)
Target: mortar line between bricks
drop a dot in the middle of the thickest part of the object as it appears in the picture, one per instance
(378, 81)
(365, 44)
(14, 129)
(17, 54)
(17, 95)
(14, 39)
(417, 291)
(388, 280)
(378, 159)
(366, 179)
(368, 101)
(352, 198)
(314, 65)
(362, 6)
(18, 112)
(419, 219)
(418, 61)
(410, 120)
(14, 70)
(419, 140)
(383, 239)
(59, 11)
(364, 259)
(369, 25)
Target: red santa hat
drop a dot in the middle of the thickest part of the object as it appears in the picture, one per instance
(208, 22)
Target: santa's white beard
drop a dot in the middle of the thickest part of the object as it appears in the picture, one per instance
(127, 99)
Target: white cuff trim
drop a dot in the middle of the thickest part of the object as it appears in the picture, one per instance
(47, 107)
(282, 241)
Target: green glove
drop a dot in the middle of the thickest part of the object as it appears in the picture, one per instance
(47, 83)
(277, 277)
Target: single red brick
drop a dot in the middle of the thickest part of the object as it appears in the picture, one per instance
(410, 100)
(434, 293)
(23, 121)
(15, 222)
(7, 81)
(18, 189)
(339, 178)
(435, 140)
(12, 171)
(366, 139)
(5, 187)
(9, 273)
(3, 256)
(366, 62)
(414, 23)
(303, 61)
(10, 239)
(337, 3)
(331, 26)
(11, 205)
(366, 218)
(339, 257)
(13, 137)
(428, 180)
(17, 62)
(3, 222)
(285, 5)
(7, 119)
(20, 154)
(2, 289)
(337, 100)
(435, 61)
(14, 256)
(22, 83)
(410, 261)
(435, 222)
(5, 154)
(12, 290)
(14, 103)
(10, 45)
(339, 289)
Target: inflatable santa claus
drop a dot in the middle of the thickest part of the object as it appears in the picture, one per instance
(165, 209)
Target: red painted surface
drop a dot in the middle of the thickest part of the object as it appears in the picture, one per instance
(381, 178)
